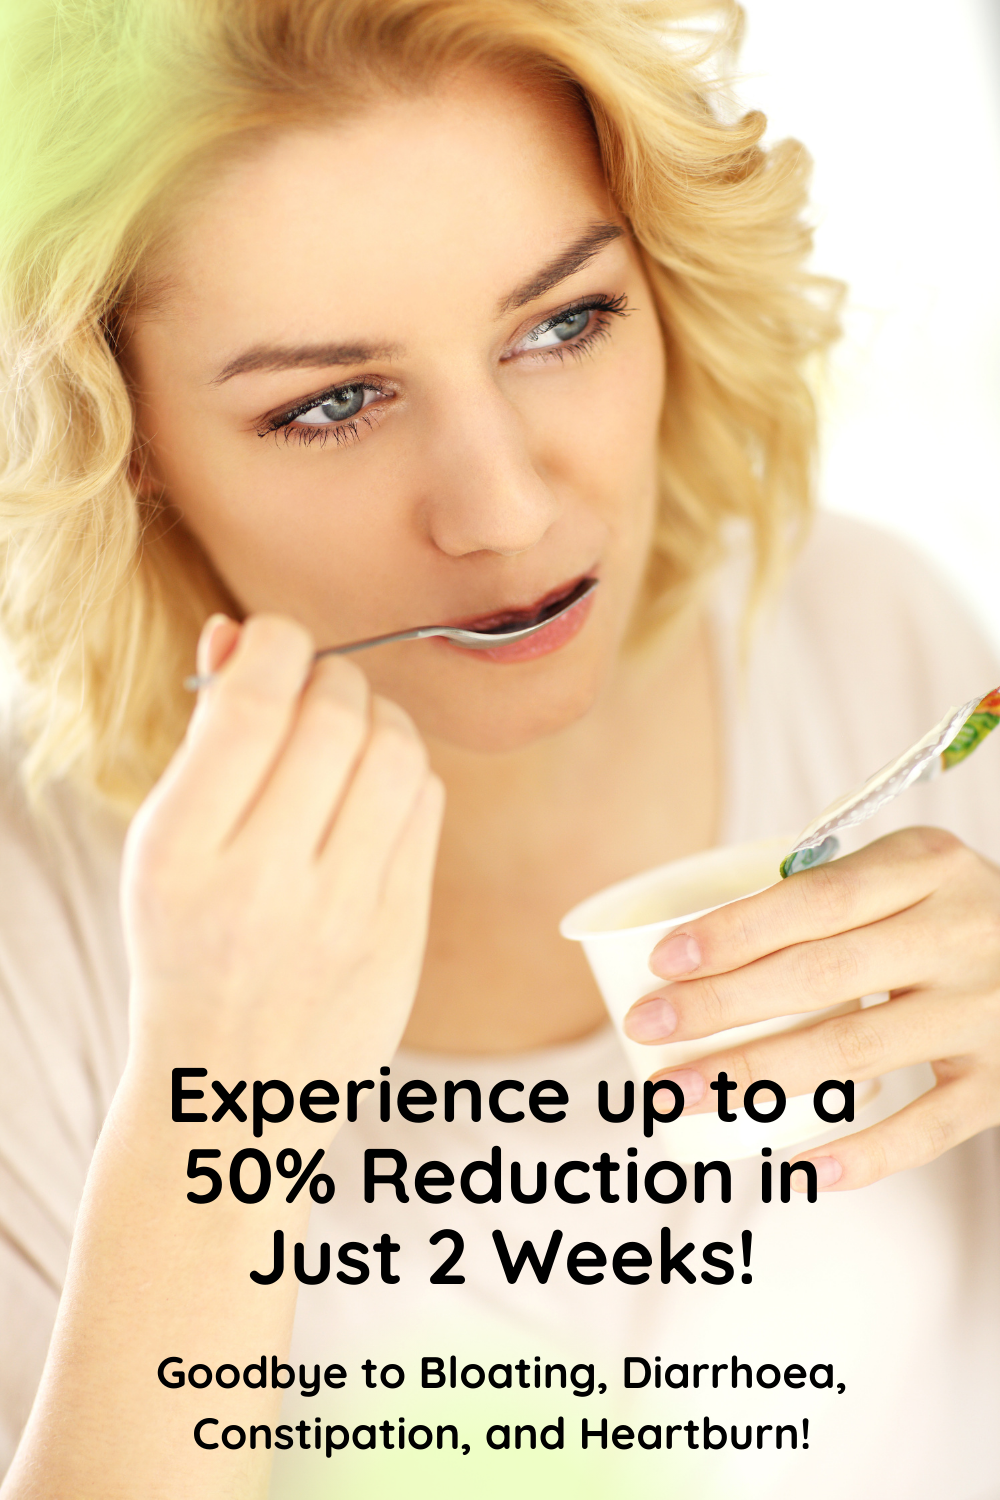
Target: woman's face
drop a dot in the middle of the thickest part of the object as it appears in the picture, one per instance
(408, 371)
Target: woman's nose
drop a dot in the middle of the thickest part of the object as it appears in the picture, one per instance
(484, 490)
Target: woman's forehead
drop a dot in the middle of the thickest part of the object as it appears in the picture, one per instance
(471, 186)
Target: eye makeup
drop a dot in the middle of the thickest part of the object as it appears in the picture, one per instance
(570, 338)
(342, 405)
(345, 406)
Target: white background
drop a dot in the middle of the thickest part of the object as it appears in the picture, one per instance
(898, 102)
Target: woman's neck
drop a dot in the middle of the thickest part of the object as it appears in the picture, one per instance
(634, 783)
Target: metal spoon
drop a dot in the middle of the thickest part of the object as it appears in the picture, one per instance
(473, 640)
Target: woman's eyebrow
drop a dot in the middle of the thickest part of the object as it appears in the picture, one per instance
(563, 265)
(271, 357)
(301, 357)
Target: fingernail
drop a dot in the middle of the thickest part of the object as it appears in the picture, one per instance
(650, 1022)
(828, 1171)
(677, 954)
(690, 1083)
(206, 654)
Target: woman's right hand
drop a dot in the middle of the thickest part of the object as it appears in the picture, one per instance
(276, 891)
(277, 879)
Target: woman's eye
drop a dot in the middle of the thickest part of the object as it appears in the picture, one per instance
(559, 330)
(331, 415)
(339, 406)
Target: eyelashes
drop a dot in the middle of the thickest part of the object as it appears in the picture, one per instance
(602, 310)
(342, 433)
(338, 395)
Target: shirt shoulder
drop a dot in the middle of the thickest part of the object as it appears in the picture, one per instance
(868, 597)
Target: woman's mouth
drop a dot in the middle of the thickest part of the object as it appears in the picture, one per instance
(556, 633)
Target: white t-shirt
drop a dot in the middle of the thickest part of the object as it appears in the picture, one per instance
(896, 1287)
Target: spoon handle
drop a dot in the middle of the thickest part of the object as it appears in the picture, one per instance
(199, 680)
(383, 640)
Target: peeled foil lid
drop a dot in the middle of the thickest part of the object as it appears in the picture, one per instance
(921, 762)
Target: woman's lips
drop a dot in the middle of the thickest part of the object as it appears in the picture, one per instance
(550, 637)
(525, 614)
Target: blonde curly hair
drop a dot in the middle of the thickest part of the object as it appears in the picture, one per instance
(113, 111)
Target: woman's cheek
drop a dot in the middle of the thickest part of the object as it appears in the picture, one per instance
(606, 431)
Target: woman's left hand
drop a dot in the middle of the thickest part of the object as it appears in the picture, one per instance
(917, 914)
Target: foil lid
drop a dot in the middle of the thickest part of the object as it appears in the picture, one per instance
(942, 747)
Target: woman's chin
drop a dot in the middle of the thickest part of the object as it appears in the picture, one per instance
(503, 711)
(503, 737)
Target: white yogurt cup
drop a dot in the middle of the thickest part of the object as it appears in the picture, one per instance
(620, 927)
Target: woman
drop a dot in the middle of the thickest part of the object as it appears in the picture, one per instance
(326, 321)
